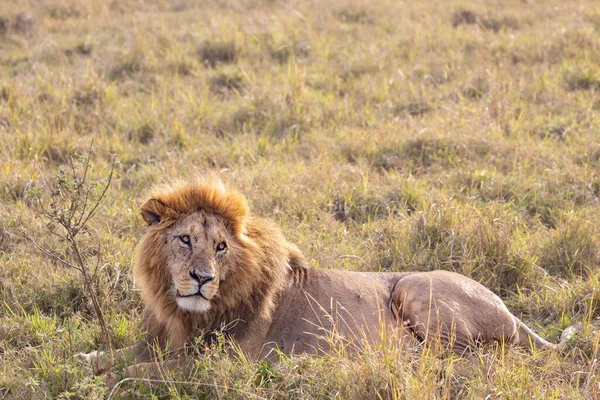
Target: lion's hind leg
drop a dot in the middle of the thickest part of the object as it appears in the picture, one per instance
(452, 309)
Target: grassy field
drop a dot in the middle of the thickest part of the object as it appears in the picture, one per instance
(381, 136)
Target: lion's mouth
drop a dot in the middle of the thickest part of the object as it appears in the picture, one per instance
(198, 293)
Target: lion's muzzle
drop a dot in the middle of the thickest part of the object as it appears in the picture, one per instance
(196, 293)
(202, 285)
(201, 278)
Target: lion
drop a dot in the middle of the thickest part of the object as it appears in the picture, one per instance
(207, 264)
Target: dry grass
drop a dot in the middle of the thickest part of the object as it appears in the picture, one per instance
(415, 136)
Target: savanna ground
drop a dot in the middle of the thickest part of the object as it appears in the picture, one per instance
(381, 136)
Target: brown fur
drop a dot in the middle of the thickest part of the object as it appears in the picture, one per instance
(262, 263)
(267, 297)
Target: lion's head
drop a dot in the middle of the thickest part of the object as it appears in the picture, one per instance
(198, 250)
(205, 260)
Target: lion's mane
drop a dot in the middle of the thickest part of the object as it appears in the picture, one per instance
(262, 264)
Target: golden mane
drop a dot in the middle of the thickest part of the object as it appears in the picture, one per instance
(208, 195)
(262, 264)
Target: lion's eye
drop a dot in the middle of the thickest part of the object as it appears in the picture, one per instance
(221, 246)
(185, 239)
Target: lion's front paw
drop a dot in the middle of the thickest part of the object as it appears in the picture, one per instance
(87, 360)
(96, 362)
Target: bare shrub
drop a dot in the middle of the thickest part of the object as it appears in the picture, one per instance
(66, 205)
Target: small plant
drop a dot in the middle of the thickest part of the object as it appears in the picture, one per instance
(265, 374)
(67, 204)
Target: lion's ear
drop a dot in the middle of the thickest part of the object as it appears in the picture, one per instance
(153, 211)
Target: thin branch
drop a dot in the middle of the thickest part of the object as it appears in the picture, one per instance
(48, 252)
(95, 272)
(83, 179)
(99, 200)
(73, 194)
(45, 212)
(58, 235)
(92, 290)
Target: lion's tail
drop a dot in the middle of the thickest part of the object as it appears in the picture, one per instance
(525, 337)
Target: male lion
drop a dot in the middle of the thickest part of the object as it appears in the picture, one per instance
(207, 264)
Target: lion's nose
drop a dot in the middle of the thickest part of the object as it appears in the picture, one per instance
(201, 278)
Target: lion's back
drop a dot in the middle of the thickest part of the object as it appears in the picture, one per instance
(319, 302)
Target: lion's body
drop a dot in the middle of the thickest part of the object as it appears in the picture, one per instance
(320, 307)
(206, 264)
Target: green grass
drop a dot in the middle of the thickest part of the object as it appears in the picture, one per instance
(381, 135)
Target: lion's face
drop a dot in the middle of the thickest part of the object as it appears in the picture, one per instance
(197, 251)
(204, 253)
